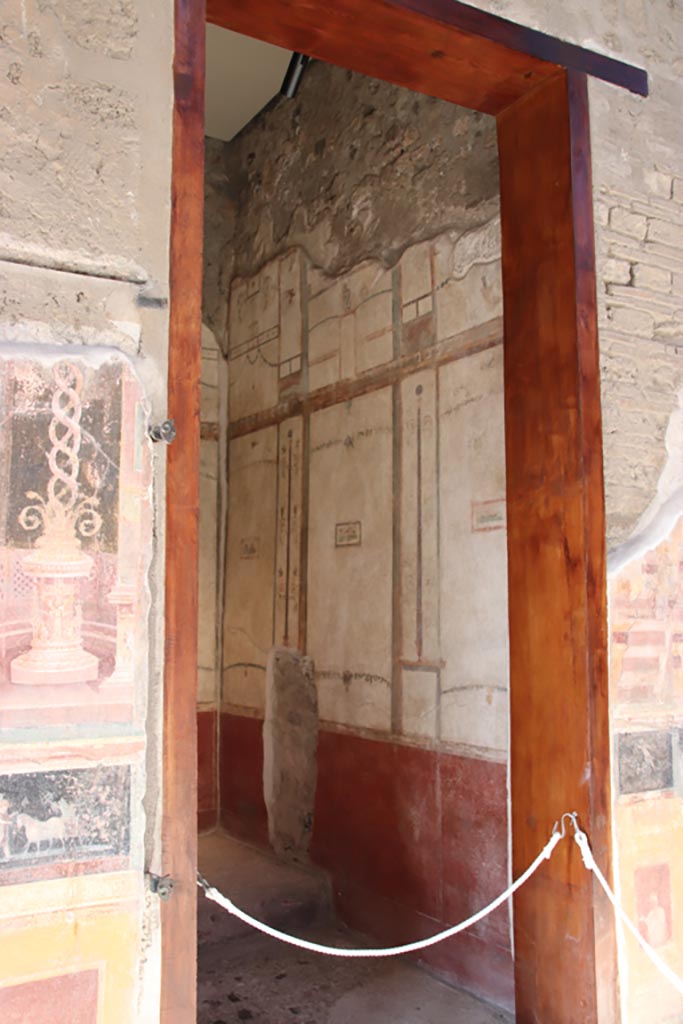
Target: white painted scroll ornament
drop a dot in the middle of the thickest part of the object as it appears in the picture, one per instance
(57, 565)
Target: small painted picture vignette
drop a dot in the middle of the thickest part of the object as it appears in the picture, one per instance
(347, 535)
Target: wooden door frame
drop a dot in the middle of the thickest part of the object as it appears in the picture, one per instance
(536, 87)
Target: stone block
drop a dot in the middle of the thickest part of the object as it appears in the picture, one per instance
(659, 184)
(616, 271)
(290, 741)
(670, 332)
(654, 278)
(665, 232)
(637, 322)
(626, 223)
(601, 214)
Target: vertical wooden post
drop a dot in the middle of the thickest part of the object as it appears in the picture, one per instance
(179, 829)
(565, 958)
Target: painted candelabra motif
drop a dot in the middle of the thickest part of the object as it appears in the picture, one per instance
(57, 564)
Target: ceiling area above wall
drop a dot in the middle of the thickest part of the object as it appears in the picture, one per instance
(242, 76)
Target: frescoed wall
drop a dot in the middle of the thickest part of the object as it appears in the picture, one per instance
(360, 316)
(75, 547)
(366, 528)
(646, 645)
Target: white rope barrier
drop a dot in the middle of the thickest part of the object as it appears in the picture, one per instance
(558, 834)
(410, 947)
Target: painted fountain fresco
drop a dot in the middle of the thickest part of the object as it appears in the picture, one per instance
(74, 507)
(75, 547)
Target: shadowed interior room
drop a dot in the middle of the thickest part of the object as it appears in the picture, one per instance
(353, 666)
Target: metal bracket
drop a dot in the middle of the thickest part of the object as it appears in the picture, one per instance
(163, 431)
(162, 885)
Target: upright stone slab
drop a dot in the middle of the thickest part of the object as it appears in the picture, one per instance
(290, 743)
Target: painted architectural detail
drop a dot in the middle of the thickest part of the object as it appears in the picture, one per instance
(393, 489)
(646, 681)
(75, 546)
(58, 565)
(366, 530)
(74, 543)
(653, 903)
(348, 535)
(35, 1000)
(289, 526)
(251, 557)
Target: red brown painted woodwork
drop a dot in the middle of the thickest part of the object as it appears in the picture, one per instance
(432, 47)
(556, 551)
(179, 834)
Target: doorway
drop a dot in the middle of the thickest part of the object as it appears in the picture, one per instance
(353, 282)
(553, 464)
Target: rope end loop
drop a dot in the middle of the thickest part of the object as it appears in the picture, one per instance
(581, 840)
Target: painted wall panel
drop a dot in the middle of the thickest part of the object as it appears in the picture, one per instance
(76, 545)
(473, 605)
(350, 561)
(249, 606)
(646, 631)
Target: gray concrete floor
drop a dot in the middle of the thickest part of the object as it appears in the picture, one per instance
(245, 976)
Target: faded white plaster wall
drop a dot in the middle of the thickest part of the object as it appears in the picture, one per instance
(354, 232)
(85, 160)
(381, 515)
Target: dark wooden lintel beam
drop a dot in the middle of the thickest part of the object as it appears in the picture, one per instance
(530, 41)
(440, 47)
